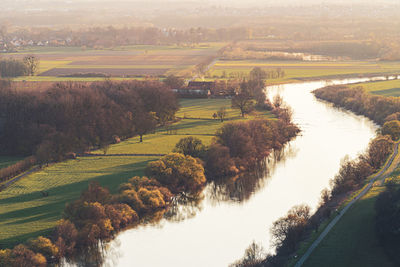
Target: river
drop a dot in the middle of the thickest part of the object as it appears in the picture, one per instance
(216, 231)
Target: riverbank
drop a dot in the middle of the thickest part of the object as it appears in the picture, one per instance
(361, 239)
(355, 207)
(28, 214)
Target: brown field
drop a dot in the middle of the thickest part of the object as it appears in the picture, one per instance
(116, 72)
(141, 60)
(36, 85)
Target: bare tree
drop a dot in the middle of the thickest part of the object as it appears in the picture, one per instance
(32, 64)
(221, 113)
(243, 102)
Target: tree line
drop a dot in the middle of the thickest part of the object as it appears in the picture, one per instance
(378, 108)
(73, 117)
(10, 67)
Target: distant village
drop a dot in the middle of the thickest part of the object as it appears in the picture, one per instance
(9, 46)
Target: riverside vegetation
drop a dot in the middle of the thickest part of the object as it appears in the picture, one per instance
(299, 224)
(92, 220)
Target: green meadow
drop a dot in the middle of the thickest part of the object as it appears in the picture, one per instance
(353, 242)
(24, 213)
(384, 88)
(295, 70)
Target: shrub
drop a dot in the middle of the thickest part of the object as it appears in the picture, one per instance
(178, 172)
(391, 128)
(65, 237)
(219, 163)
(45, 247)
(190, 146)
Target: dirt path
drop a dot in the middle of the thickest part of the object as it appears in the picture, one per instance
(389, 167)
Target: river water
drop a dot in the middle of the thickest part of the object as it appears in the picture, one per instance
(217, 230)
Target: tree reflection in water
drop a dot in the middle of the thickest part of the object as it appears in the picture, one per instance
(234, 189)
(184, 207)
(241, 187)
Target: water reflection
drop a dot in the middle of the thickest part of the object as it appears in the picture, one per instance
(217, 229)
(240, 188)
(184, 207)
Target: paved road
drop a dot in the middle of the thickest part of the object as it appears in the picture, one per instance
(380, 176)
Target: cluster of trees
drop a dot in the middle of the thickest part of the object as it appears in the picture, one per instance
(391, 128)
(10, 67)
(378, 108)
(250, 93)
(240, 146)
(352, 173)
(179, 172)
(73, 117)
(387, 222)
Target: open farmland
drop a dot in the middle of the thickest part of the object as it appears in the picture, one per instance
(302, 70)
(130, 61)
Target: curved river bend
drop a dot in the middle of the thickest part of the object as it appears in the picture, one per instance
(224, 224)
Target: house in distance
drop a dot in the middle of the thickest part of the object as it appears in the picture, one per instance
(196, 89)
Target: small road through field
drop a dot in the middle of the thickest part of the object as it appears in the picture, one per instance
(381, 175)
(17, 178)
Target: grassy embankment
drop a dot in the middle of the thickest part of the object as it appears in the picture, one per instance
(384, 88)
(353, 242)
(296, 70)
(24, 213)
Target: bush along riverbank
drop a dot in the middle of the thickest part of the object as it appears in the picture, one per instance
(97, 216)
(299, 224)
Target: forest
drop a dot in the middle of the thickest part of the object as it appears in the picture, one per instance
(72, 117)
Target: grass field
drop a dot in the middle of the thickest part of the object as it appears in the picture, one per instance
(7, 161)
(385, 88)
(132, 61)
(305, 69)
(25, 213)
(353, 242)
(196, 120)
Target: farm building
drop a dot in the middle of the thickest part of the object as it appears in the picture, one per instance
(201, 85)
(196, 89)
(192, 92)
